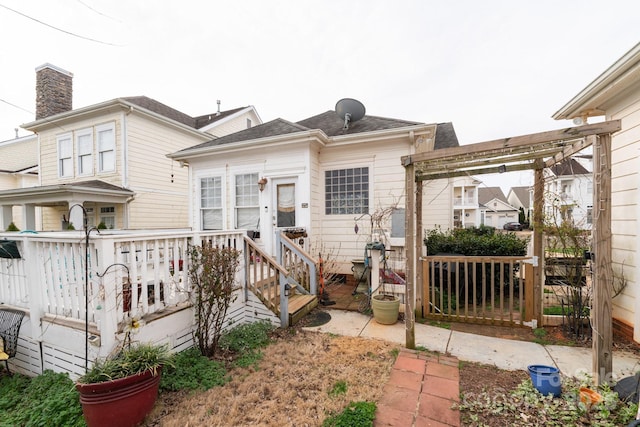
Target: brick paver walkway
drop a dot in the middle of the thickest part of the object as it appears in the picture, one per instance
(420, 392)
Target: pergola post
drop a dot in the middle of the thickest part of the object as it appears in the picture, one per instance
(419, 287)
(409, 227)
(601, 310)
(538, 202)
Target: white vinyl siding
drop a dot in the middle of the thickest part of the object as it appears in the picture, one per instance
(65, 156)
(84, 152)
(211, 203)
(247, 210)
(106, 148)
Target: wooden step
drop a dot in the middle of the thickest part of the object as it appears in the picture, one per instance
(299, 306)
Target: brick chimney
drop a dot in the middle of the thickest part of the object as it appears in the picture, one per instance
(54, 91)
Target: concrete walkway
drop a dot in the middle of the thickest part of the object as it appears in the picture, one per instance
(420, 387)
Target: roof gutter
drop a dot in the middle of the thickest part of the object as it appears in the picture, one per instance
(314, 135)
(611, 82)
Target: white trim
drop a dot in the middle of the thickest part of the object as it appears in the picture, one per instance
(228, 118)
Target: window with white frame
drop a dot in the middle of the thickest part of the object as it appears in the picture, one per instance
(106, 143)
(346, 191)
(211, 203)
(84, 151)
(108, 216)
(65, 156)
(247, 201)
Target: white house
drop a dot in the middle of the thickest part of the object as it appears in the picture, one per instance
(18, 169)
(466, 209)
(319, 178)
(109, 158)
(496, 210)
(569, 192)
(615, 95)
(522, 198)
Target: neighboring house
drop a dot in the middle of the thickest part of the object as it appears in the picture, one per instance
(522, 198)
(110, 158)
(496, 210)
(615, 95)
(466, 210)
(18, 169)
(569, 193)
(317, 178)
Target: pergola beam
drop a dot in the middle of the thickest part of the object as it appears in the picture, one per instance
(503, 145)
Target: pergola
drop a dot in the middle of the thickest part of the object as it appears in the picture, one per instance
(527, 152)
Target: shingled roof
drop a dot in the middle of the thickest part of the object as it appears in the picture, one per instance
(569, 167)
(332, 125)
(486, 194)
(522, 193)
(171, 113)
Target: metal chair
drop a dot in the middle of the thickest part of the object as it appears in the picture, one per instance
(10, 322)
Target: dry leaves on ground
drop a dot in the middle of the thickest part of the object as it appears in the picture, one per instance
(291, 386)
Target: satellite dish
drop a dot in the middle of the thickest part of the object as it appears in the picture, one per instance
(578, 121)
(349, 110)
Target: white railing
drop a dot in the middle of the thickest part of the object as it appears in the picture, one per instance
(129, 273)
(465, 201)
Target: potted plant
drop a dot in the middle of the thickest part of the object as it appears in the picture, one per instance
(385, 306)
(122, 390)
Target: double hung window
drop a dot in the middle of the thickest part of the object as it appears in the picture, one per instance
(247, 201)
(211, 203)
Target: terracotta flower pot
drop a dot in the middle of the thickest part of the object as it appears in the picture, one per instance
(123, 402)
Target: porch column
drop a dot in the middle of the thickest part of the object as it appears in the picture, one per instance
(6, 217)
(76, 214)
(29, 216)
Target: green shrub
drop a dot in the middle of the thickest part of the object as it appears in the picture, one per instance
(356, 414)
(49, 399)
(12, 227)
(192, 371)
(475, 241)
(250, 336)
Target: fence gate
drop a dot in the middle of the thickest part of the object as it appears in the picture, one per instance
(478, 289)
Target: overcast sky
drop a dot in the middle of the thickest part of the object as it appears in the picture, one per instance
(493, 68)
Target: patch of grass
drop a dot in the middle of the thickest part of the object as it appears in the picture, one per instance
(250, 358)
(338, 388)
(553, 310)
(250, 336)
(192, 371)
(49, 399)
(443, 325)
(356, 414)
(395, 352)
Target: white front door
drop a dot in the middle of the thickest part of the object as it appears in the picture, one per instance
(283, 207)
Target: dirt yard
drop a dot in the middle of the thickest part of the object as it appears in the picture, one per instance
(291, 386)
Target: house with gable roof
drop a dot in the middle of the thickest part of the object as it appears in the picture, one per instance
(615, 95)
(495, 209)
(110, 158)
(318, 177)
(522, 198)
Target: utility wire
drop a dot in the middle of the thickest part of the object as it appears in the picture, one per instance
(97, 11)
(16, 106)
(58, 29)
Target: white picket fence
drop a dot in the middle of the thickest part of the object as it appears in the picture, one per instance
(142, 274)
